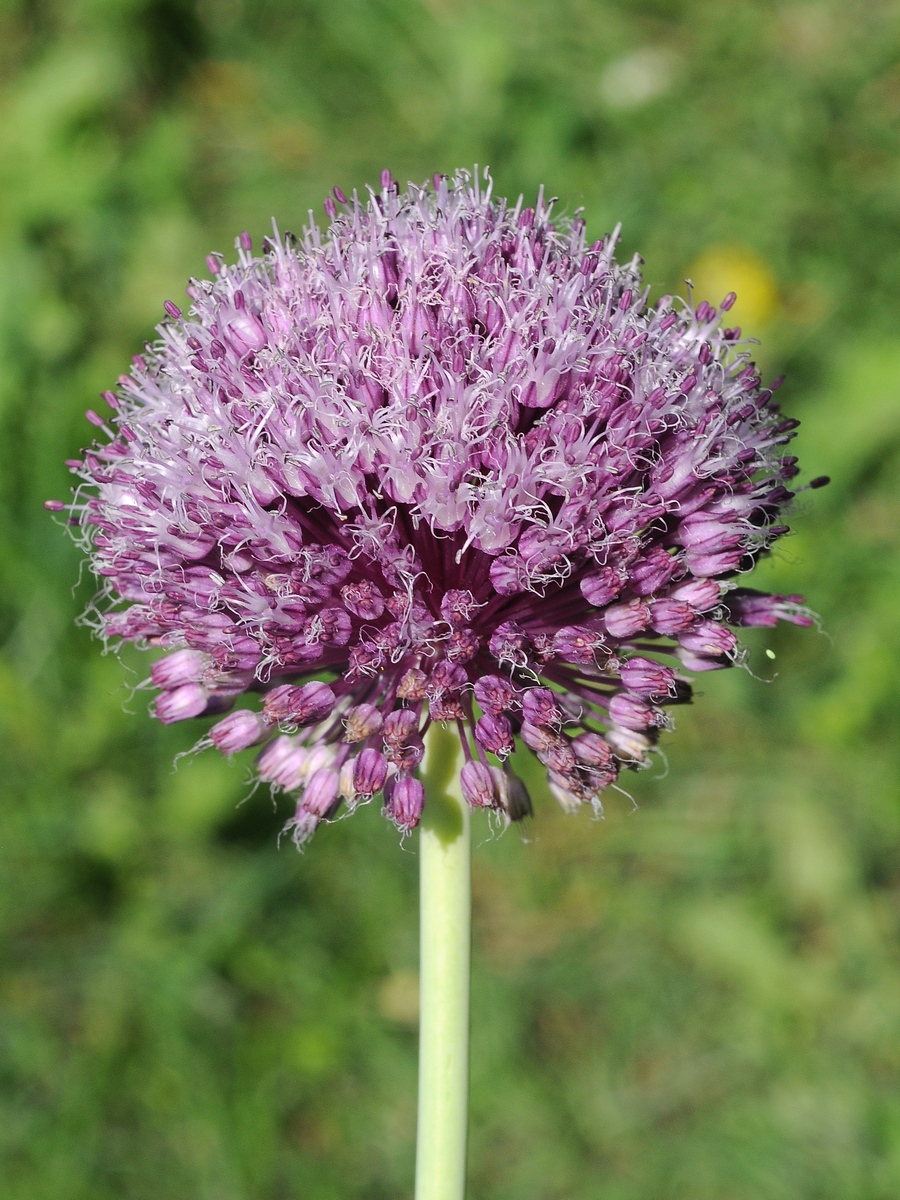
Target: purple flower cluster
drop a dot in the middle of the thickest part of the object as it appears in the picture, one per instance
(446, 457)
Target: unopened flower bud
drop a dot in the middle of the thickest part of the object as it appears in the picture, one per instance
(700, 594)
(495, 694)
(238, 731)
(408, 755)
(477, 785)
(321, 791)
(413, 685)
(458, 606)
(709, 638)
(361, 722)
(319, 756)
(399, 725)
(370, 772)
(625, 620)
(647, 678)
(591, 749)
(699, 662)
(300, 705)
(631, 712)
(536, 737)
(575, 644)
(347, 786)
(405, 803)
(628, 744)
(495, 735)
(282, 762)
(747, 607)
(670, 617)
(601, 586)
(180, 703)
(558, 755)
(539, 707)
(184, 666)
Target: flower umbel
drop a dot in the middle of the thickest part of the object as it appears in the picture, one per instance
(445, 457)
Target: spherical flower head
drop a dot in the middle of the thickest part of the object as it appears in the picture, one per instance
(442, 462)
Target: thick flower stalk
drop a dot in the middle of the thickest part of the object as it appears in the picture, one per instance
(442, 462)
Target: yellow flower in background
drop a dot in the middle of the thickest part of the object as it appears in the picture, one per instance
(723, 269)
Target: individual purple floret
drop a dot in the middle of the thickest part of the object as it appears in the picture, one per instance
(447, 458)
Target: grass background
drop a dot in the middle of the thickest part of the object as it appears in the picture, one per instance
(697, 998)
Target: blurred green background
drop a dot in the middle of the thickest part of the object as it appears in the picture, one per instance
(697, 997)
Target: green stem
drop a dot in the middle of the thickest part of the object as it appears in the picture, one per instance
(445, 950)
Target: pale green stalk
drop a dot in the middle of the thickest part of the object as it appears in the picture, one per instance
(445, 951)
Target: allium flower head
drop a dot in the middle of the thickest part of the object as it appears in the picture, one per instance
(442, 462)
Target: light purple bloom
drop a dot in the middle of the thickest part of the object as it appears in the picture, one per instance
(447, 456)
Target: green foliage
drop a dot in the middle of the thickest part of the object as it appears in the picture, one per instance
(700, 998)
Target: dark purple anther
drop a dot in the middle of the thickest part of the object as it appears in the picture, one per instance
(95, 418)
(172, 309)
(246, 242)
(339, 195)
